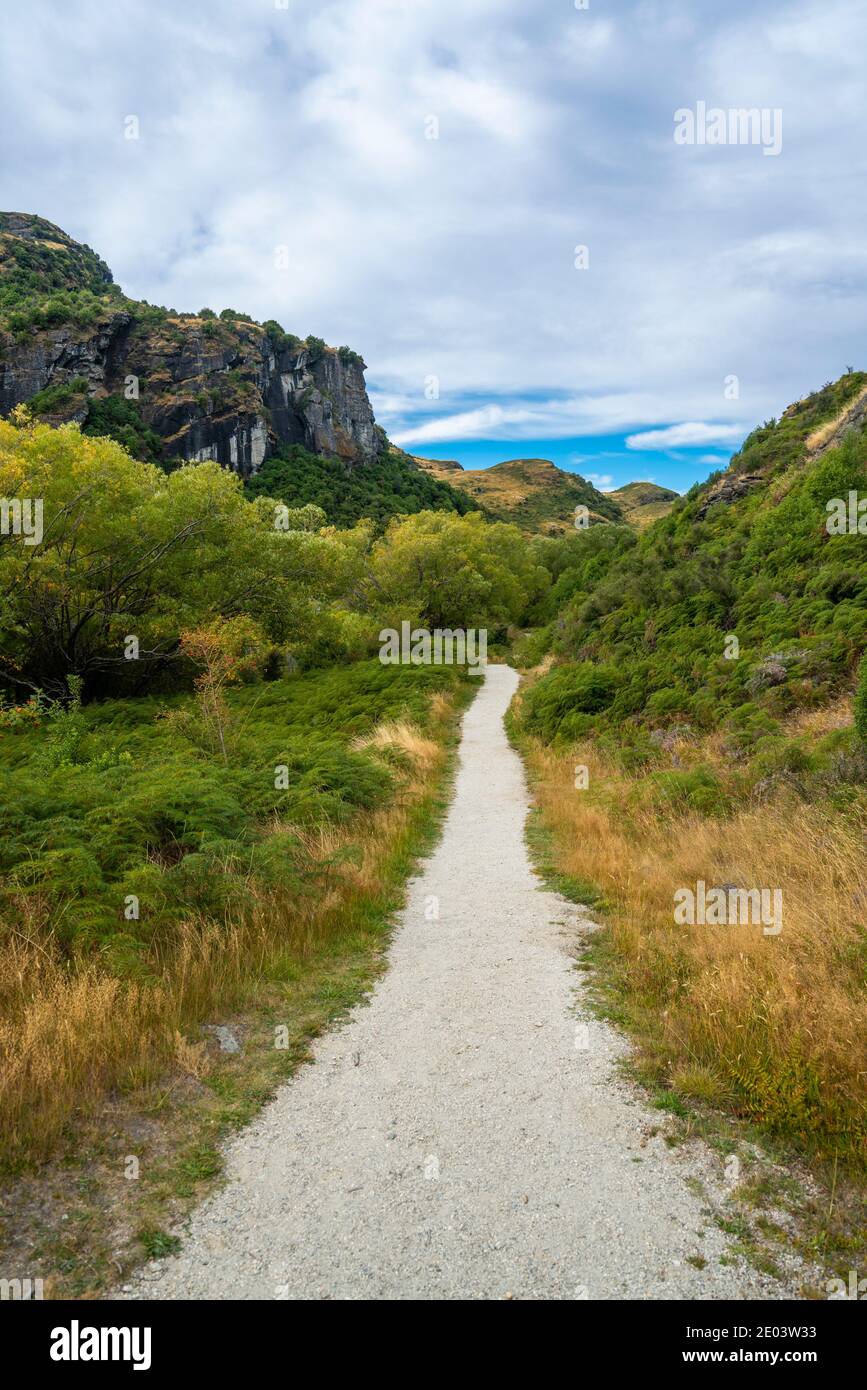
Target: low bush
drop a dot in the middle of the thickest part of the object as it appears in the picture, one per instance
(552, 705)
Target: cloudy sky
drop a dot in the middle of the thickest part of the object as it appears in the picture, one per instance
(484, 197)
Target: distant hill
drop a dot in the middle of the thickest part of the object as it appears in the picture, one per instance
(642, 503)
(534, 494)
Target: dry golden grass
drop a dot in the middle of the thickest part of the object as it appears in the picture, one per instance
(440, 708)
(192, 1057)
(816, 722)
(403, 738)
(823, 433)
(70, 1032)
(775, 1027)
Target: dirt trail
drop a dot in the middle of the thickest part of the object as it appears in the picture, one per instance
(465, 1134)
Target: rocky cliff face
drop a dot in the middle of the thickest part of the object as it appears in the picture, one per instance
(207, 387)
(64, 354)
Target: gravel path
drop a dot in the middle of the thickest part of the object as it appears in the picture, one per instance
(465, 1134)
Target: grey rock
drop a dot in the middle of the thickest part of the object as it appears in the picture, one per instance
(731, 487)
(225, 1037)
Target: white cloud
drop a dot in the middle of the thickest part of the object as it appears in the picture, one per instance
(454, 257)
(684, 436)
(489, 422)
(556, 418)
(603, 481)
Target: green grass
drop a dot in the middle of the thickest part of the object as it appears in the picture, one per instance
(156, 1243)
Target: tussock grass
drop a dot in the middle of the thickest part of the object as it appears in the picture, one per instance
(774, 1028)
(405, 740)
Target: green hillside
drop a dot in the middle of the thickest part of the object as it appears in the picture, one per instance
(390, 486)
(703, 724)
(746, 556)
(46, 277)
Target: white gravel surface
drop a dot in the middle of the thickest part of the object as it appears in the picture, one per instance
(465, 1133)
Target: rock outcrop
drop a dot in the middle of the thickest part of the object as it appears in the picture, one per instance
(731, 487)
(209, 387)
(60, 356)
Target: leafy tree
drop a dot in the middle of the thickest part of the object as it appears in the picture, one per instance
(224, 651)
(453, 571)
(315, 347)
(280, 340)
(130, 551)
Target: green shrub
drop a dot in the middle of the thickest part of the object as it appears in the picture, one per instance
(115, 417)
(668, 700)
(697, 789)
(53, 397)
(315, 348)
(747, 725)
(552, 705)
(861, 702)
(779, 757)
(111, 800)
(529, 649)
(280, 340)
